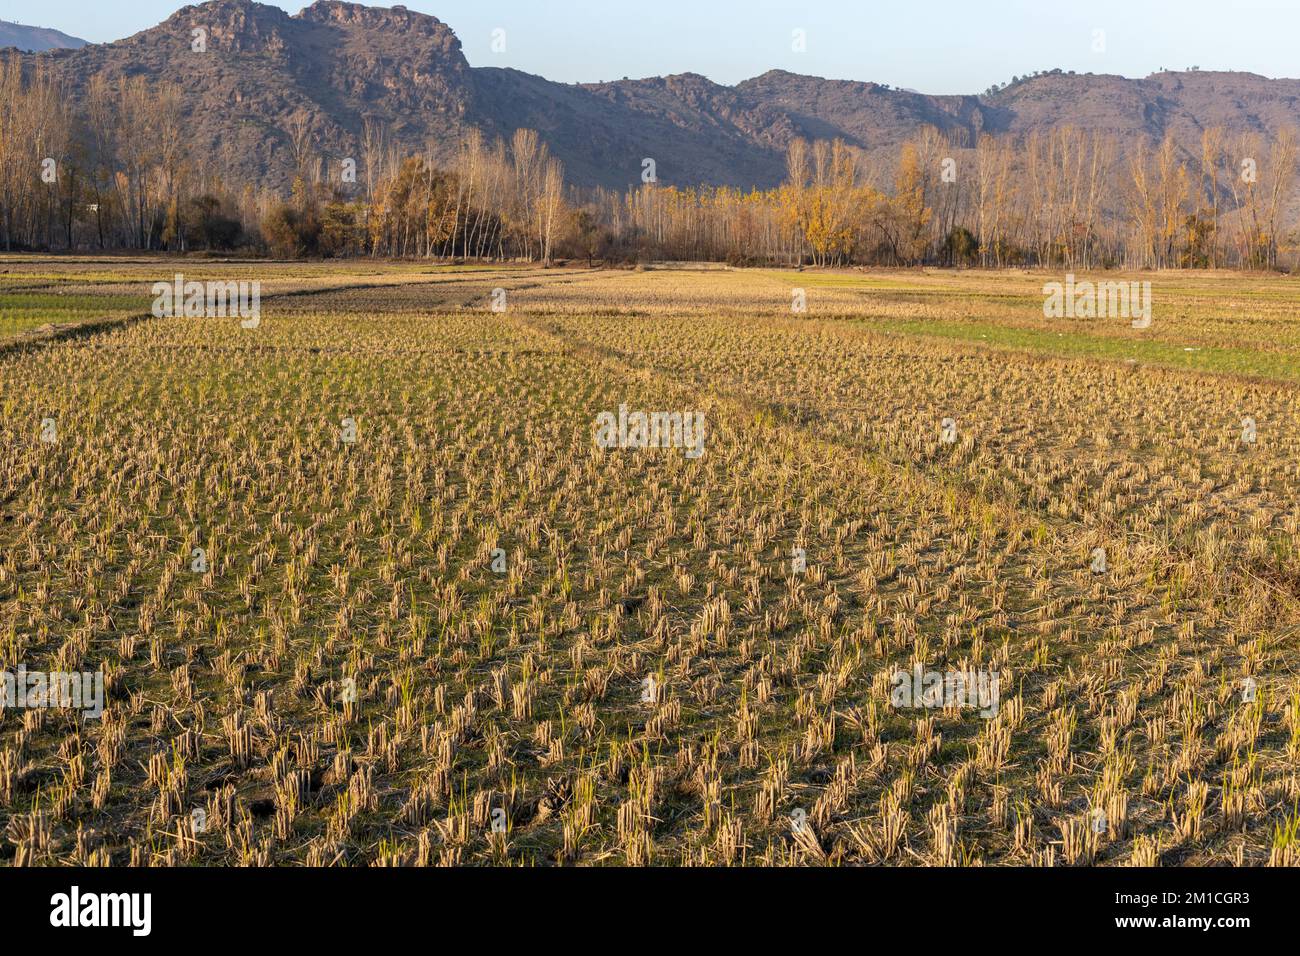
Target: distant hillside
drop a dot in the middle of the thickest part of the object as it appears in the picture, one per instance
(339, 62)
(36, 39)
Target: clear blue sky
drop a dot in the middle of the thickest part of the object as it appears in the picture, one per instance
(935, 46)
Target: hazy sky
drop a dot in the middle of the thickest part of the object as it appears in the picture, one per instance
(935, 46)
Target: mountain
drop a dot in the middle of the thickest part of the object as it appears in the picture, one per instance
(340, 62)
(35, 39)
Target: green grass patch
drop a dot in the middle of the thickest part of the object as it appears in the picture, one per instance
(32, 310)
(1115, 348)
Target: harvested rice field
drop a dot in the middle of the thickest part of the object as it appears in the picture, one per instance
(510, 566)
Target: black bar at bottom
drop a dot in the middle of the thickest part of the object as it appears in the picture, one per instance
(233, 906)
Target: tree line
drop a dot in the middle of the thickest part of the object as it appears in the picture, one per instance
(120, 173)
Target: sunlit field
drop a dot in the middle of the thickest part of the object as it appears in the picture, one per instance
(366, 590)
